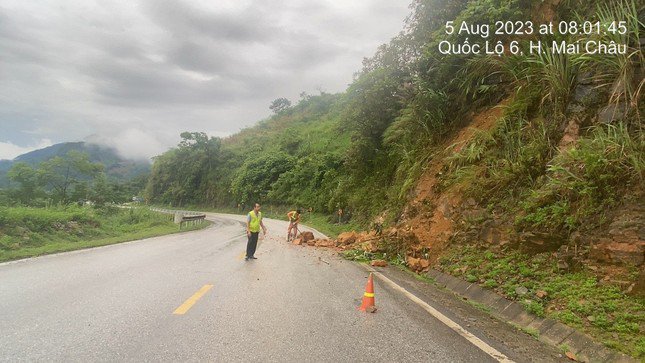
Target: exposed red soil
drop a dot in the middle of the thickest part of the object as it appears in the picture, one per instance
(428, 215)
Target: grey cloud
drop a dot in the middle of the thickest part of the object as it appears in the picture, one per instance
(181, 19)
(303, 55)
(19, 46)
(146, 84)
(120, 48)
(203, 40)
(192, 55)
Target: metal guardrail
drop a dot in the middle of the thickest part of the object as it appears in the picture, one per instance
(175, 211)
(183, 216)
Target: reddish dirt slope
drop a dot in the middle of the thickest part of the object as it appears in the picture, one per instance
(426, 222)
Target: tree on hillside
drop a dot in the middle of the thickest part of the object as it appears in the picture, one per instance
(101, 192)
(61, 174)
(81, 191)
(254, 179)
(136, 186)
(197, 139)
(375, 104)
(280, 104)
(309, 182)
(23, 174)
(184, 174)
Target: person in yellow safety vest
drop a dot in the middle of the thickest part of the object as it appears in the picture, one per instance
(253, 224)
(294, 218)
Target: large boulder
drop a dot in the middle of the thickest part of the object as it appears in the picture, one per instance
(618, 253)
(306, 236)
(347, 238)
(417, 264)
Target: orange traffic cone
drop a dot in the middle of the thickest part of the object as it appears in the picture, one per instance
(368, 297)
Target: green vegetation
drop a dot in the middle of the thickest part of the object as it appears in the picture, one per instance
(27, 232)
(358, 255)
(60, 200)
(587, 180)
(117, 169)
(519, 168)
(293, 159)
(70, 178)
(578, 299)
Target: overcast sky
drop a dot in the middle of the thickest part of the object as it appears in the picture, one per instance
(134, 74)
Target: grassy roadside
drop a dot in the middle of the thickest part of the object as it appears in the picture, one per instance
(28, 232)
(576, 298)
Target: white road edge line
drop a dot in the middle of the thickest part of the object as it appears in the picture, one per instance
(497, 355)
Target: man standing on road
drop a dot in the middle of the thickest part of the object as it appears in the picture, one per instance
(253, 224)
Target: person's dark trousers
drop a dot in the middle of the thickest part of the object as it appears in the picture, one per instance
(252, 244)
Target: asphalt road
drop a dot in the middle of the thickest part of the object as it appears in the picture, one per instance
(124, 303)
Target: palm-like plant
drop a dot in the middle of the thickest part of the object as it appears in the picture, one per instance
(622, 72)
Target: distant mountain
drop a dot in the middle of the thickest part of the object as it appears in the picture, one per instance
(116, 167)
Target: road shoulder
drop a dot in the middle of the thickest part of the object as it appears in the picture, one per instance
(513, 342)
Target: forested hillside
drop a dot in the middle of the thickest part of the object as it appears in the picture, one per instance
(116, 167)
(71, 172)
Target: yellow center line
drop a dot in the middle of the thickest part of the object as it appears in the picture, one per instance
(192, 300)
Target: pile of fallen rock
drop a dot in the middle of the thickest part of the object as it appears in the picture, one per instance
(364, 241)
(307, 239)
